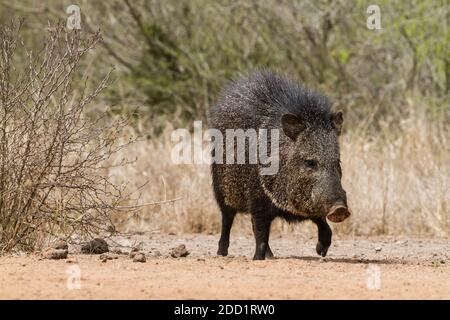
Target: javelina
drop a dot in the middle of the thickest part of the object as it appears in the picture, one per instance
(307, 185)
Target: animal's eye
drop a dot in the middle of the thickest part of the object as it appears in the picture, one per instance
(311, 164)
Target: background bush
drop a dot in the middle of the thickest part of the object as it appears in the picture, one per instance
(173, 56)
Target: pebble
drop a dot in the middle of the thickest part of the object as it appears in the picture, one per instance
(106, 257)
(179, 251)
(139, 257)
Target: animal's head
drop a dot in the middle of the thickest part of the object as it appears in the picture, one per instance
(311, 168)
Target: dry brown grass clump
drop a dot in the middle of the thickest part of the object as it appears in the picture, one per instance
(396, 184)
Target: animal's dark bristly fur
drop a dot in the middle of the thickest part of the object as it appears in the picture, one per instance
(269, 94)
(308, 181)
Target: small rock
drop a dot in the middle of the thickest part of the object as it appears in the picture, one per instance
(106, 257)
(55, 254)
(378, 249)
(179, 251)
(96, 246)
(139, 257)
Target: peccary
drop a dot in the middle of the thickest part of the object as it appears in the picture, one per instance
(307, 185)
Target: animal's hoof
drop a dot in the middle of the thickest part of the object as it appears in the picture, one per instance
(321, 249)
(223, 248)
(259, 257)
(269, 254)
(222, 252)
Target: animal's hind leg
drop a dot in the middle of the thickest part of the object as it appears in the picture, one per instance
(228, 215)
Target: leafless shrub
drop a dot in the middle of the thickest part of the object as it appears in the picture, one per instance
(53, 159)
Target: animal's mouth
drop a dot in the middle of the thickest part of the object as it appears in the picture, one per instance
(338, 213)
(309, 213)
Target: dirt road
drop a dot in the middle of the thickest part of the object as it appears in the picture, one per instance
(369, 268)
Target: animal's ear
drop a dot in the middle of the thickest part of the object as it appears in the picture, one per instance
(292, 125)
(336, 120)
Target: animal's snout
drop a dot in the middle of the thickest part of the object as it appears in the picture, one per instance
(338, 212)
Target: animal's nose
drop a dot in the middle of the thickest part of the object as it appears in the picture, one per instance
(338, 212)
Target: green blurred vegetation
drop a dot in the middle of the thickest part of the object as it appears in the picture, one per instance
(172, 57)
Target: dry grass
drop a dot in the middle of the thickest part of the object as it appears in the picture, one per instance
(396, 185)
(399, 185)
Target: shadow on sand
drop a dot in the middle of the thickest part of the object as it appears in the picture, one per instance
(345, 260)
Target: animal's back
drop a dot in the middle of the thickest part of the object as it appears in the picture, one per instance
(259, 99)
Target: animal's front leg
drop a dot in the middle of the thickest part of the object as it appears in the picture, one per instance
(268, 253)
(261, 230)
(324, 235)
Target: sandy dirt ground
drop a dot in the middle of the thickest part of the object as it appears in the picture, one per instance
(360, 268)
